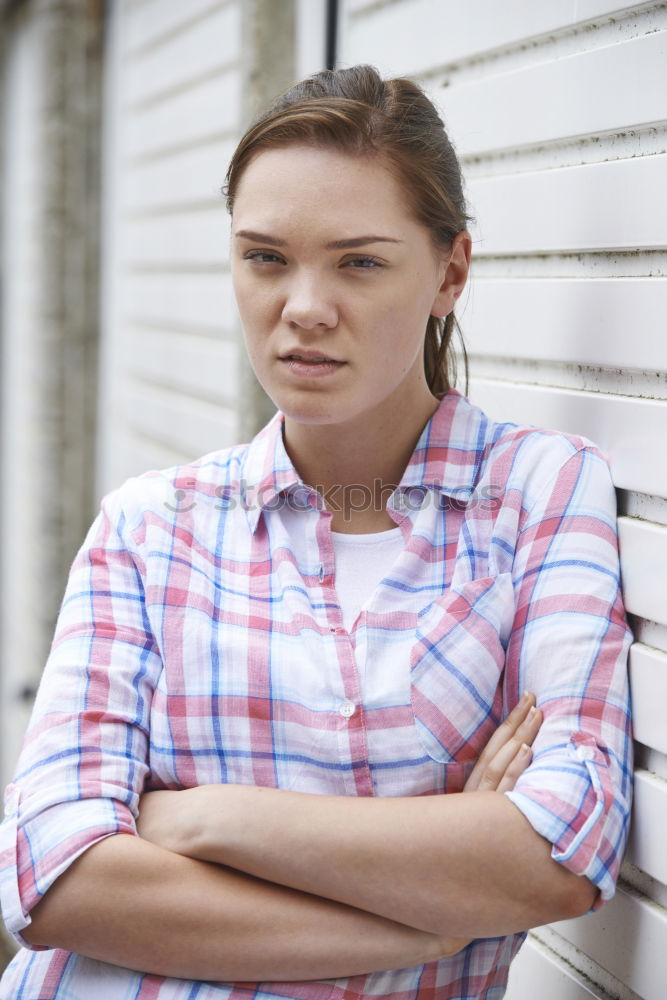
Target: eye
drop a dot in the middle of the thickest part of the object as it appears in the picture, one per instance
(364, 263)
(263, 257)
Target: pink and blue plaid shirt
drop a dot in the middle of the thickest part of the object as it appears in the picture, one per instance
(201, 640)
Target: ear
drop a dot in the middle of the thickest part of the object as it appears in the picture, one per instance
(455, 268)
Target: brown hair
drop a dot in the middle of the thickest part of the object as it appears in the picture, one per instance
(355, 110)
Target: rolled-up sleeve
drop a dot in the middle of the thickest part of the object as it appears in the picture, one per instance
(84, 759)
(569, 645)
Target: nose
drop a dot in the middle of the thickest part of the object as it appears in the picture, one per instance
(308, 304)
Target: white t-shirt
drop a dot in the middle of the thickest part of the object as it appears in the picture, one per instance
(362, 561)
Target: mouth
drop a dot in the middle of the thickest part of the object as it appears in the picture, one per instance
(307, 364)
(306, 357)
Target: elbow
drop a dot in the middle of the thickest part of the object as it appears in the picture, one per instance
(62, 918)
(567, 897)
(36, 934)
(45, 918)
(33, 937)
(572, 895)
(579, 897)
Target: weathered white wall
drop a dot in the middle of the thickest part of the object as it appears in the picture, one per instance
(557, 110)
(169, 332)
(48, 339)
(21, 489)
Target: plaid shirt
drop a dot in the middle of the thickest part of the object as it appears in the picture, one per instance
(199, 641)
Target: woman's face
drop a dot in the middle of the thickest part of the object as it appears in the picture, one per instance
(335, 281)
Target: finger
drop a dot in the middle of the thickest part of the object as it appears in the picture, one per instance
(515, 769)
(508, 728)
(530, 726)
(489, 771)
(503, 771)
(505, 732)
(496, 769)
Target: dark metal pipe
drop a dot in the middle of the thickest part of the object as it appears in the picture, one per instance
(332, 34)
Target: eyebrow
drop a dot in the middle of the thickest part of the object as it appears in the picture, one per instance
(356, 241)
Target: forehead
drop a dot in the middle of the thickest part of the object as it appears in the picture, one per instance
(286, 186)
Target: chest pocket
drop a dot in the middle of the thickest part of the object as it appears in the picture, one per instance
(457, 666)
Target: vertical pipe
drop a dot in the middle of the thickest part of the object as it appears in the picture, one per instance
(332, 34)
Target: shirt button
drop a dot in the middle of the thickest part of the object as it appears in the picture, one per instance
(347, 709)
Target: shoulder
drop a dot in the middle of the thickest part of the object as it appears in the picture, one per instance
(166, 494)
(528, 459)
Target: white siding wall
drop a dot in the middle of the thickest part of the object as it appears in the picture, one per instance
(170, 340)
(557, 110)
(49, 91)
(21, 412)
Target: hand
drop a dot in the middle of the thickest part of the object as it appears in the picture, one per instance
(504, 758)
(508, 753)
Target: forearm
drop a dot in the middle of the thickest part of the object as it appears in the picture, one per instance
(469, 865)
(131, 903)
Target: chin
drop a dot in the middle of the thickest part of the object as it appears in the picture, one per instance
(311, 408)
(315, 415)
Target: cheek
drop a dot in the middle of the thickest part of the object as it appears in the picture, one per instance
(400, 328)
(256, 306)
(404, 304)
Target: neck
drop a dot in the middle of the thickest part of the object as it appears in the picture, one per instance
(357, 465)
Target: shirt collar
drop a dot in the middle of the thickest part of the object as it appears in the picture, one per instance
(447, 458)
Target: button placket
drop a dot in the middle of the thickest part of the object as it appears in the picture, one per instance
(351, 731)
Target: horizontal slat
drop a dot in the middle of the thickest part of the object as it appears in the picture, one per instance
(180, 422)
(628, 937)
(417, 35)
(133, 453)
(644, 567)
(648, 677)
(546, 98)
(574, 208)
(179, 298)
(631, 432)
(583, 10)
(188, 117)
(191, 237)
(536, 964)
(144, 454)
(578, 320)
(354, 5)
(151, 21)
(199, 365)
(646, 849)
(192, 175)
(203, 46)
(654, 635)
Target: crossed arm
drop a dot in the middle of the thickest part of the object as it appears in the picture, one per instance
(244, 883)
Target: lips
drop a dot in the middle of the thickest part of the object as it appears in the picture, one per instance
(311, 361)
(309, 365)
(309, 357)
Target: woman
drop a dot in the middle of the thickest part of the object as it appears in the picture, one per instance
(279, 656)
